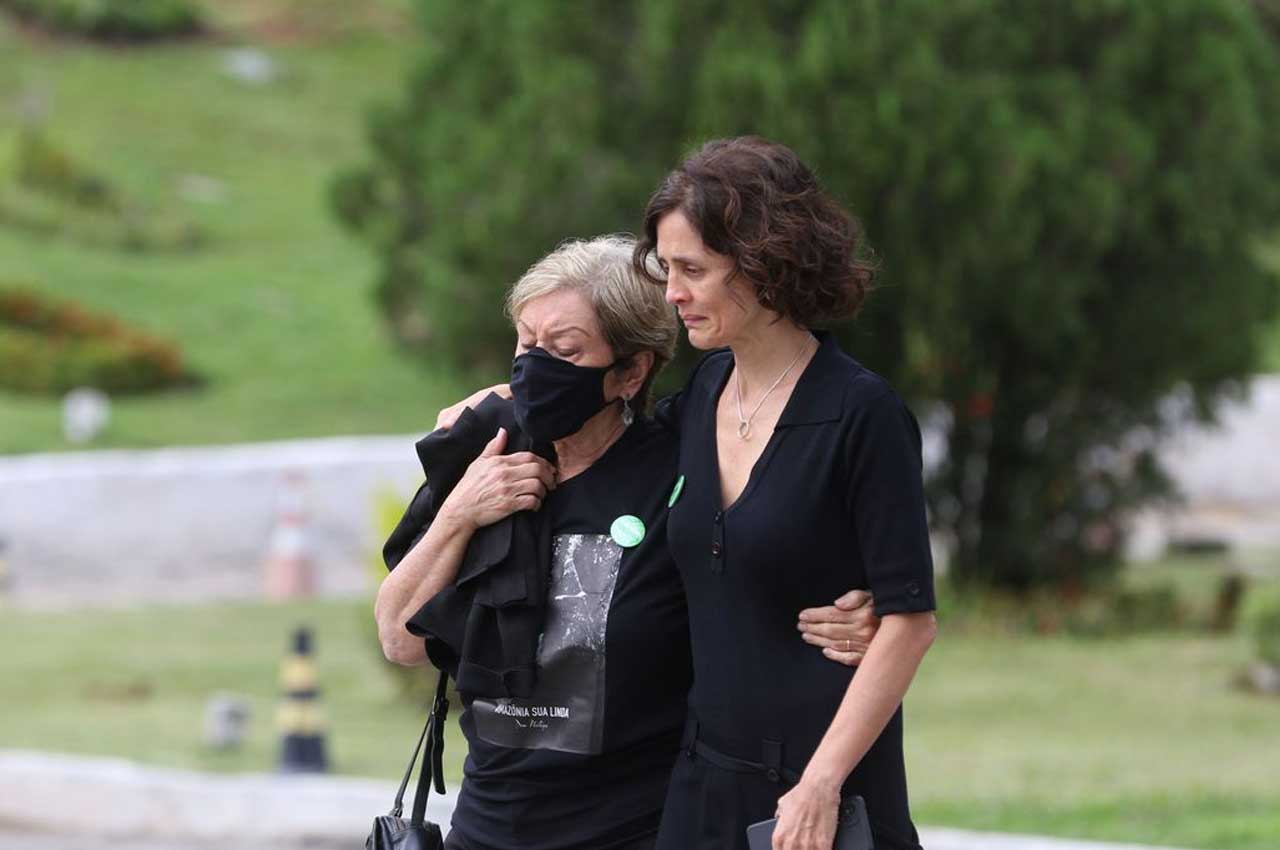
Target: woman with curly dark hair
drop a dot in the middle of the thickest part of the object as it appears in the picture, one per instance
(800, 473)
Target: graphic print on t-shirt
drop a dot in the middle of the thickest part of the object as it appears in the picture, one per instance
(566, 711)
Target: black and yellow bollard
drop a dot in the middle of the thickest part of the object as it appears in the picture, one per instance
(302, 748)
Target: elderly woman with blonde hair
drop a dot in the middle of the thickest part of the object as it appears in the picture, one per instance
(533, 567)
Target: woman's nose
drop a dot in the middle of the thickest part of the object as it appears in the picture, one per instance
(676, 292)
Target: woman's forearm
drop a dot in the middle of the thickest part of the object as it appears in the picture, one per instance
(494, 486)
(873, 696)
(429, 567)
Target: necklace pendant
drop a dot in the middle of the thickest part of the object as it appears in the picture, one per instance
(744, 429)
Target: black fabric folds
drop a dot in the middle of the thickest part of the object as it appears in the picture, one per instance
(484, 628)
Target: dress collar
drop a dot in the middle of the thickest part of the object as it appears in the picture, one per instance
(819, 394)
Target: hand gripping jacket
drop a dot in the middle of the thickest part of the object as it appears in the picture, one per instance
(483, 630)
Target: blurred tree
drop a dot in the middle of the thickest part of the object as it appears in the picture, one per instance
(523, 125)
(1068, 198)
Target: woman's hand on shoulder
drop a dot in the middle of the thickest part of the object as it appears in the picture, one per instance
(448, 417)
(497, 485)
(842, 630)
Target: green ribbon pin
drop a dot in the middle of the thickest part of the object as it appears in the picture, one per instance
(675, 492)
(627, 531)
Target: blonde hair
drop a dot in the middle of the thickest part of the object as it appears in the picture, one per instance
(632, 311)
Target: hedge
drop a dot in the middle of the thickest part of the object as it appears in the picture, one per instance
(111, 20)
(49, 347)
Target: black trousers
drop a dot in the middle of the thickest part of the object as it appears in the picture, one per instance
(454, 841)
(710, 807)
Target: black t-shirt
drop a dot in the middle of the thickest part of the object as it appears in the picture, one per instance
(834, 502)
(584, 763)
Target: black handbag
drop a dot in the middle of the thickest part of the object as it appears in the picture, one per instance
(393, 832)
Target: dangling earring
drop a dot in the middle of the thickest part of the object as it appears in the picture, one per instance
(628, 415)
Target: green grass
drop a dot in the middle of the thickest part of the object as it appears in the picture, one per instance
(134, 683)
(276, 311)
(1142, 739)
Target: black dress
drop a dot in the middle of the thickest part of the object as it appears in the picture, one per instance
(835, 501)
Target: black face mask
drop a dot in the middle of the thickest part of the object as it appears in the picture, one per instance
(553, 397)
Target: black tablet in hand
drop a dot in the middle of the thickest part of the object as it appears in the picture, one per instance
(852, 830)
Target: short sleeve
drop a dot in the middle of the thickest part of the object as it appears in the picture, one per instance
(886, 500)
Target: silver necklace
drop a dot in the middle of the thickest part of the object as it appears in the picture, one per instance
(744, 422)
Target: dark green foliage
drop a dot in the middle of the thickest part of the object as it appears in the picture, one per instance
(47, 192)
(51, 347)
(1265, 627)
(523, 125)
(111, 20)
(1121, 608)
(1067, 197)
(44, 167)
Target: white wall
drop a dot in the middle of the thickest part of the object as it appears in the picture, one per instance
(190, 523)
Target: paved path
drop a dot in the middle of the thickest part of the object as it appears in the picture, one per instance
(43, 792)
(28, 841)
(933, 839)
(163, 809)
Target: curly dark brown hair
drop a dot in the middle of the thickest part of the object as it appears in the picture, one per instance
(755, 202)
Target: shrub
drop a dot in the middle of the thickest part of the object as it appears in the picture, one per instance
(42, 166)
(49, 347)
(111, 20)
(1119, 608)
(1265, 627)
(45, 191)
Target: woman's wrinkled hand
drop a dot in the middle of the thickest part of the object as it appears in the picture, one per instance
(842, 630)
(448, 417)
(497, 485)
(807, 817)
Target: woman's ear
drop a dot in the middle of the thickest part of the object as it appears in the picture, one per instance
(637, 371)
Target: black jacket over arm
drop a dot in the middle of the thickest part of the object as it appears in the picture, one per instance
(484, 628)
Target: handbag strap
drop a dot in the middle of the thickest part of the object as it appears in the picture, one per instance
(432, 760)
